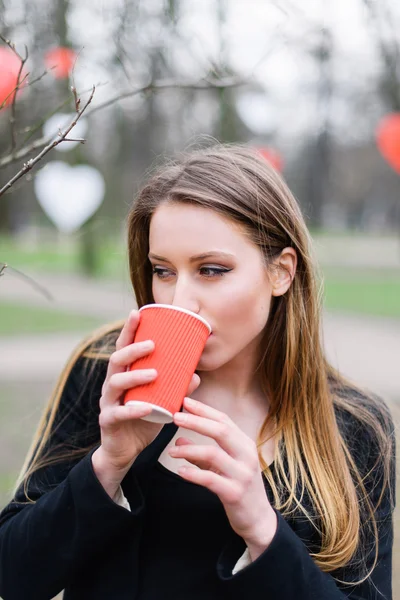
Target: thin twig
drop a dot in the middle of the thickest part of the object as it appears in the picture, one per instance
(13, 121)
(7, 160)
(208, 84)
(12, 158)
(13, 91)
(81, 140)
(204, 84)
(19, 83)
(33, 161)
(30, 280)
(33, 129)
(39, 77)
(76, 98)
(9, 43)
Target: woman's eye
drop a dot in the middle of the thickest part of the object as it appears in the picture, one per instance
(207, 272)
(160, 272)
(213, 271)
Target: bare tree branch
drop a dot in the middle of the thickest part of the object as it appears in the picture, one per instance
(62, 135)
(18, 85)
(34, 128)
(7, 160)
(13, 91)
(204, 84)
(39, 77)
(167, 84)
(10, 44)
(14, 103)
(29, 84)
(76, 98)
(42, 290)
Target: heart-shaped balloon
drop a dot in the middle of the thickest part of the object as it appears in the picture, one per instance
(388, 139)
(61, 61)
(61, 121)
(69, 195)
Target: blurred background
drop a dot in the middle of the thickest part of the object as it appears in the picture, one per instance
(314, 86)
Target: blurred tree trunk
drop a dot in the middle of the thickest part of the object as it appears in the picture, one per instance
(386, 37)
(318, 180)
(229, 123)
(321, 153)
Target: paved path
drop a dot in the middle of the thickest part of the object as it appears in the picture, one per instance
(366, 349)
(106, 299)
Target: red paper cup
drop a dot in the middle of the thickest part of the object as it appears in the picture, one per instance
(179, 336)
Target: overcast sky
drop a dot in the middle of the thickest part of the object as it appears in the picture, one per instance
(267, 40)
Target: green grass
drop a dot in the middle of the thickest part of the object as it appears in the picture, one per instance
(111, 257)
(16, 319)
(370, 292)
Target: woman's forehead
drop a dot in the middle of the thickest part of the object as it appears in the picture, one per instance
(190, 215)
(188, 220)
(195, 226)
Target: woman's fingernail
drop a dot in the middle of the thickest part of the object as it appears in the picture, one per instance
(189, 401)
(150, 374)
(148, 345)
(173, 451)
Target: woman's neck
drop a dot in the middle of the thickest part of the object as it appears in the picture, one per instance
(233, 389)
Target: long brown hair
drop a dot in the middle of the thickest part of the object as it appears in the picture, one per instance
(302, 388)
(314, 457)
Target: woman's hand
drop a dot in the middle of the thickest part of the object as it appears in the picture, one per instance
(123, 434)
(231, 470)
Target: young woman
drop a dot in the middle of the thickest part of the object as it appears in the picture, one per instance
(276, 480)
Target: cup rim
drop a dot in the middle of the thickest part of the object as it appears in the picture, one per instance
(179, 309)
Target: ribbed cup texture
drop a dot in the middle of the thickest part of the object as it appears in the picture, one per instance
(179, 340)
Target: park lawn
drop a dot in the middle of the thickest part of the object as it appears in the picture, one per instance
(18, 319)
(369, 292)
(111, 257)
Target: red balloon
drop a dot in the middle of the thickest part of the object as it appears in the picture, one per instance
(273, 157)
(10, 65)
(388, 139)
(60, 60)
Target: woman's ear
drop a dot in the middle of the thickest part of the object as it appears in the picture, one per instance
(284, 269)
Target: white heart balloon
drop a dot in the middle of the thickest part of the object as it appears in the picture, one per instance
(61, 121)
(69, 195)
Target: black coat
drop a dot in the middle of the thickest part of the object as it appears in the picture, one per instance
(74, 537)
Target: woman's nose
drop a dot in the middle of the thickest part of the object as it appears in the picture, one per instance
(184, 298)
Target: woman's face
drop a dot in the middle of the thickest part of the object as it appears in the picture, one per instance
(229, 287)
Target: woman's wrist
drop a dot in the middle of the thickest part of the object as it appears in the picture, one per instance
(108, 475)
(262, 538)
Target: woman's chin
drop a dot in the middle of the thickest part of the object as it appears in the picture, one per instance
(208, 362)
(205, 364)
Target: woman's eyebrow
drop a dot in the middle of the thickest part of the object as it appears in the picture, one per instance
(197, 257)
